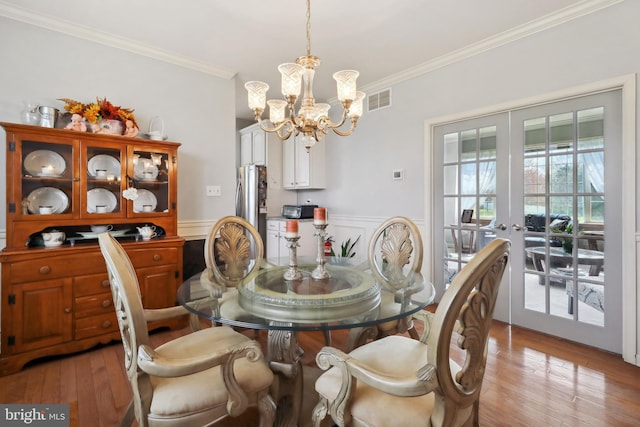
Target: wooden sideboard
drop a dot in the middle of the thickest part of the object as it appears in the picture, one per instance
(57, 300)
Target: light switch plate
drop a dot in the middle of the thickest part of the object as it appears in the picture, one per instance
(213, 191)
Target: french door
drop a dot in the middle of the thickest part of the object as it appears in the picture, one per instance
(539, 176)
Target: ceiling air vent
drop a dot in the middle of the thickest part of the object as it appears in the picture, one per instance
(379, 100)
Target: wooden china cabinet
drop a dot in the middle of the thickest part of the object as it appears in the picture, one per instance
(56, 297)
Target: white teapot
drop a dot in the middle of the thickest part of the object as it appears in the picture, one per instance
(147, 232)
(53, 238)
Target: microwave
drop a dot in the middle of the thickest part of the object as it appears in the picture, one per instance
(298, 211)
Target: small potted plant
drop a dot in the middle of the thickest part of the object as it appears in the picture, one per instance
(346, 251)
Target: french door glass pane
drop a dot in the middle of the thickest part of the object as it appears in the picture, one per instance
(591, 128)
(468, 178)
(561, 174)
(561, 133)
(468, 145)
(451, 180)
(487, 143)
(450, 148)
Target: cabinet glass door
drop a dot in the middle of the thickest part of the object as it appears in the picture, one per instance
(150, 177)
(103, 189)
(47, 184)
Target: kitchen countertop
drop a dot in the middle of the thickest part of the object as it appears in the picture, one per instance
(281, 218)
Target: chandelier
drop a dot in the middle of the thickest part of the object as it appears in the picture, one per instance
(312, 120)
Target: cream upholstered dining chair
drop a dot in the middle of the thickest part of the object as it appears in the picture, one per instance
(196, 379)
(434, 381)
(394, 255)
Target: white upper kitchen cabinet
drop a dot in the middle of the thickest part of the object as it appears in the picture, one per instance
(253, 146)
(302, 169)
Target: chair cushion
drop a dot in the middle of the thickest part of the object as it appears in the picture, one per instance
(388, 308)
(203, 391)
(396, 356)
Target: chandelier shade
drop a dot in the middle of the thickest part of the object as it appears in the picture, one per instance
(312, 119)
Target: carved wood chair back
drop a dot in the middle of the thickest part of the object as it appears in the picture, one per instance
(395, 250)
(233, 251)
(127, 303)
(466, 312)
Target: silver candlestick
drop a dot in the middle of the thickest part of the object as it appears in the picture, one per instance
(320, 272)
(292, 273)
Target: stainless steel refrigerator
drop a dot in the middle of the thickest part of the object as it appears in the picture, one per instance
(251, 197)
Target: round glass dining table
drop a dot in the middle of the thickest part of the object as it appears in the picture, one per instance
(350, 298)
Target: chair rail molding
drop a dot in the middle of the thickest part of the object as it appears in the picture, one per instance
(195, 230)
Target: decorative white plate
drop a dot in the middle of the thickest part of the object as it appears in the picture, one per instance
(145, 197)
(92, 235)
(47, 196)
(99, 197)
(36, 160)
(145, 165)
(103, 162)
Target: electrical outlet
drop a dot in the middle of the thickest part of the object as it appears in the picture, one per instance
(213, 190)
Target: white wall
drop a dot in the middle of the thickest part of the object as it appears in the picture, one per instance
(197, 108)
(589, 49)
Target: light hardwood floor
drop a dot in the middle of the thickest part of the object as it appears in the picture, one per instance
(531, 379)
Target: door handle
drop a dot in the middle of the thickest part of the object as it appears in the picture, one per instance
(500, 227)
(517, 227)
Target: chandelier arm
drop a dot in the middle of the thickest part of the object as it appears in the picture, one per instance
(287, 133)
(326, 121)
(275, 128)
(354, 121)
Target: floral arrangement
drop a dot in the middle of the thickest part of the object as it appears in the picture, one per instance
(102, 109)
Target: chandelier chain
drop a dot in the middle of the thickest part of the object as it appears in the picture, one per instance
(308, 27)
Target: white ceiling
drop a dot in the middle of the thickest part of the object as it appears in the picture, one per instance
(383, 39)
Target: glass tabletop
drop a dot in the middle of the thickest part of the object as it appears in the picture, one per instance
(349, 298)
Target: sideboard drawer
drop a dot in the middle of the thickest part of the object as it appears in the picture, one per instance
(92, 305)
(91, 285)
(152, 257)
(96, 325)
(55, 267)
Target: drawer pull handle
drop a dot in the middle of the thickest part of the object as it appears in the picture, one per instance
(106, 324)
(106, 303)
(45, 269)
(105, 283)
(67, 310)
(156, 257)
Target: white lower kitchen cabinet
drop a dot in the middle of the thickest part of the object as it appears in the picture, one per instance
(276, 247)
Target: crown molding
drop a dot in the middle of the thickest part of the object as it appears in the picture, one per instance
(543, 23)
(559, 17)
(87, 33)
